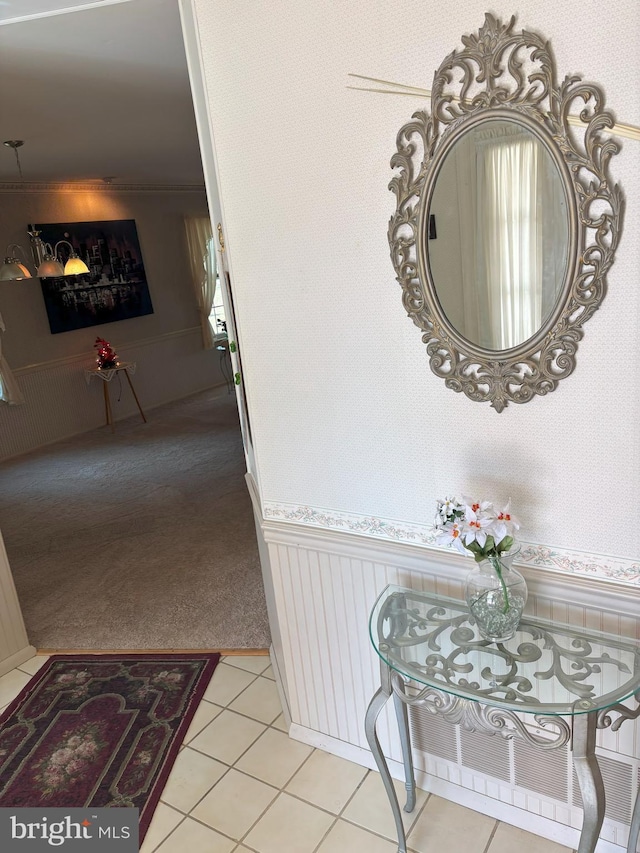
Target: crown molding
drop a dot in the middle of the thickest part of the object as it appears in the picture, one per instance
(95, 187)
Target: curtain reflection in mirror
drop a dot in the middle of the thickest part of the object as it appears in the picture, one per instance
(499, 261)
(510, 238)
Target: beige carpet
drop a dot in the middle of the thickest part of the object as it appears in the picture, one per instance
(143, 539)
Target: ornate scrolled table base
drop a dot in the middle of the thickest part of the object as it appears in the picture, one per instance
(476, 717)
(605, 721)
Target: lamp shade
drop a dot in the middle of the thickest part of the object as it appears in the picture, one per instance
(50, 268)
(75, 266)
(13, 270)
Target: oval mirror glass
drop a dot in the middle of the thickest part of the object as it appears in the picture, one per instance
(498, 234)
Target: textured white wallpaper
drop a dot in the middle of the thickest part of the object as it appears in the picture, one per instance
(346, 413)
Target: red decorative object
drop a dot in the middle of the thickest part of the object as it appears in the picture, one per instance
(107, 358)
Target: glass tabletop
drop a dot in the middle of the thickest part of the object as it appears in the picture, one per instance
(546, 668)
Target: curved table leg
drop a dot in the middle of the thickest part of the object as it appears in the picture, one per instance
(375, 706)
(135, 396)
(405, 739)
(107, 406)
(589, 779)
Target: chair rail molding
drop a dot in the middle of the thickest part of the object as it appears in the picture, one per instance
(596, 571)
(59, 404)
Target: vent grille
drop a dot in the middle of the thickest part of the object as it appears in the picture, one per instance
(617, 778)
(432, 734)
(487, 753)
(540, 771)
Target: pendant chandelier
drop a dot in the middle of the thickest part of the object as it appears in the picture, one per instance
(46, 260)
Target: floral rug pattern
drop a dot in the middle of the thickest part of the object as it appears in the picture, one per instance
(100, 730)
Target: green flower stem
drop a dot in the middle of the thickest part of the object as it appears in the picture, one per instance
(495, 562)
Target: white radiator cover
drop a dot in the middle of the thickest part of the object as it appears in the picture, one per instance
(325, 584)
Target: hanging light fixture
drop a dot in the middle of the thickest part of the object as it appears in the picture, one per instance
(45, 258)
(51, 266)
(13, 269)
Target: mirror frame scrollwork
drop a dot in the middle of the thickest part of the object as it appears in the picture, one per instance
(510, 75)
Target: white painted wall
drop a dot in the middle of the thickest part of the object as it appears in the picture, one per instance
(347, 415)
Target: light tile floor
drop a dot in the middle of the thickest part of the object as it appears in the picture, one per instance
(241, 785)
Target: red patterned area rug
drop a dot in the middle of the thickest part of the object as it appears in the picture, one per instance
(100, 730)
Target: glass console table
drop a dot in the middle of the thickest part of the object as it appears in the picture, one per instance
(572, 681)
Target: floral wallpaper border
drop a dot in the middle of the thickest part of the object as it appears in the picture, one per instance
(556, 559)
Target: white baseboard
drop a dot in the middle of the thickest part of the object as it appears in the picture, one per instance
(286, 711)
(16, 659)
(536, 824)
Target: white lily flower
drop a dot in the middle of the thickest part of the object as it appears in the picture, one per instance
(475, 524)
(509, 521)
(451, 535)
(477, 506)
(448, 508)
(499, 531)
(468, 525)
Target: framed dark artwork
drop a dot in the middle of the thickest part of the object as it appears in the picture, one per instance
(115, 287)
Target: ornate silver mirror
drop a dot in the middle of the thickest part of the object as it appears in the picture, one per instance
(506, 220)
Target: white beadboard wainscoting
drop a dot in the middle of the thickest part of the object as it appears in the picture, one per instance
(324, 585)
(59, 403)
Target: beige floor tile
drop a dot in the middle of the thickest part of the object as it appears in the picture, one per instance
(510, 838)
(12, 683)
(227, 737)
(227, 683)
(205, 712)
(164, 820)
(252, 663)
(34, 664)
(280, 723)
(260, 700)
(370, 807)
(234, 804)
(192, 775)
(193, 836)
(327, 781)
(345, 837)
(289, 826)
(269, 673)
(274, 758)
(443, 825)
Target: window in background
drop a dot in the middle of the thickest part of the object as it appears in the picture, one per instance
(217, 317)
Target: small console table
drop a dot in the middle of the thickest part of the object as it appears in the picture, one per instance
(107, 374)
(572, 681)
